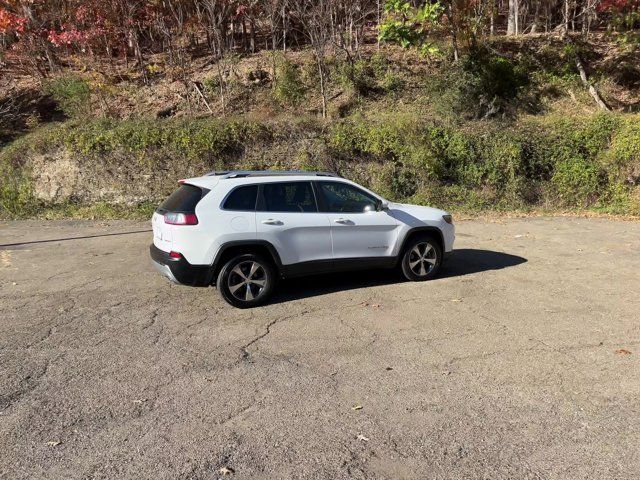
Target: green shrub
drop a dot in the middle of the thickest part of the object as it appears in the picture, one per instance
(212, 85)
(289, 87)
(577, 181)
(16, 196)
(622, 159)
(72, 94)
(358, 76)
(480, 85)
(392, 83)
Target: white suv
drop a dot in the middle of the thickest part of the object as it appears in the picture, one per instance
(243, 230)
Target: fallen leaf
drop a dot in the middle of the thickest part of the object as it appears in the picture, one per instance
(362, 438)
(456, 300)
(364, 304)
(54, 443)
(356, 407)
(623, 351)
(376, 305)
(226, 471)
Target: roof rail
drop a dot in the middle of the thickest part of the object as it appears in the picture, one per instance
(268, 173)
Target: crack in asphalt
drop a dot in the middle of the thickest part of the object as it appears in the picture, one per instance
(26, 386)
(152, 320)
(245, 355)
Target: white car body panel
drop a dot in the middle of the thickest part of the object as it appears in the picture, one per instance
(298, 237)
(367, 234)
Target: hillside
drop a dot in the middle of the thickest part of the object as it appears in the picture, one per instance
(510, 126)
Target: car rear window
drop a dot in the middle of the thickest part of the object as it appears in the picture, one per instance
(184, 199)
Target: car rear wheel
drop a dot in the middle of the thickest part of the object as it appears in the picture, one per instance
(421, 259)
(246, 280)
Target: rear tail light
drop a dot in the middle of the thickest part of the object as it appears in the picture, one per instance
(180, 218)
(176, 255)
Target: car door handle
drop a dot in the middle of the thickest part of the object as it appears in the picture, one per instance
(343, 221)
(271, 221)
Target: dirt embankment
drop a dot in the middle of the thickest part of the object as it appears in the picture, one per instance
(120, 177)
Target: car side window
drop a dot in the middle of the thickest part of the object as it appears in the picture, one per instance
(344, 198)
(242, 199)
(287, 197)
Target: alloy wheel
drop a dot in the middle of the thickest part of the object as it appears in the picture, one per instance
(422, 259)
(247, 280)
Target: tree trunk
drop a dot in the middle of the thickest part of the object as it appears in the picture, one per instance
(536, 19)
(492, 18)
(592, 90)
(566, 17)
(512, 20)
(323, 93)
(454, 33)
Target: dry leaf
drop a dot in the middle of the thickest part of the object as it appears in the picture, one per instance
(362, 438)
(226, 471)
(356, 407)
(456, 300)
(364, 304)
(623, 351)
(376, 305)
(54, 443)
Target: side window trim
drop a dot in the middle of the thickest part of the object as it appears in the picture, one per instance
(228, 195)
(261, 204)
(317, 195)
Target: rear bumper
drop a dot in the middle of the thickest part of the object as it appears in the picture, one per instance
(178, 270)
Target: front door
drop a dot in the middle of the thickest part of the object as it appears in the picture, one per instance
(358, 230)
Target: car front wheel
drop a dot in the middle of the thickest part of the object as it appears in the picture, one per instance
(421, 259)
(246, 280)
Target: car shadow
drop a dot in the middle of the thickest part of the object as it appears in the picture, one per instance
(465, 261)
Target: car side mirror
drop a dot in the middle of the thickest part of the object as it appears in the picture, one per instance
(382, 205)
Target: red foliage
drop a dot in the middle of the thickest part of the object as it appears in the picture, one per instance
(619, 6)
(11, 23)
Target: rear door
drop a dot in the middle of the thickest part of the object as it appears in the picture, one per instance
(287, 217)
(358, 230)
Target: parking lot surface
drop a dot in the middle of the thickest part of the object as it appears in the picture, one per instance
(521, 361)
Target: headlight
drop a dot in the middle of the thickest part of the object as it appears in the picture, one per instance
(448, 218)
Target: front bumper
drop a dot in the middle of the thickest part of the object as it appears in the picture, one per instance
(178, 270)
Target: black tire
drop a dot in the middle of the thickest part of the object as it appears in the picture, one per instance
(421, 258)
(253, 289)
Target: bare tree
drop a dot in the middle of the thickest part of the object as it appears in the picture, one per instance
(512, 19)
(316, 18)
